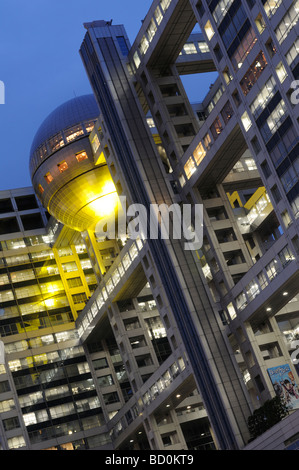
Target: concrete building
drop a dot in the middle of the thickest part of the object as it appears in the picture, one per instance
(123, 343)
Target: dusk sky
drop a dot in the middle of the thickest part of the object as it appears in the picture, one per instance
(41, 67)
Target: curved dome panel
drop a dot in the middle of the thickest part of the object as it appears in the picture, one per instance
(72, 112)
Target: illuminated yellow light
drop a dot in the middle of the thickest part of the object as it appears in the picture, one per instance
(104, 205)
(49, 302)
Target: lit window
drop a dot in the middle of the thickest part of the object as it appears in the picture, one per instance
(40, 188)
(150, 123)
(227, 112)
(95, 143)
(199, 153)
(293, 54)
(62, 166)
(271, 7)
(253, 73)
(158, 15)
(207, 141)
(203, 47)
(281, 72)
(244, 48)
(246, 121)
(89, 126)
(151, 30)
(165, 4)
(260, 24)
(182, 180)
(263, 98)
(190, 168)
(190, 48)
(221, 9)
(143, 46)
(209, 30)
(136, 59)
(73, 133)
(288, 22)
(216, 128)
(81, 156)
(48, 177)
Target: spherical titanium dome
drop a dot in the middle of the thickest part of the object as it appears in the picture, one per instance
(72, 182)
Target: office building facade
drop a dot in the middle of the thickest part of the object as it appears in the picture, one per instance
(137, 342)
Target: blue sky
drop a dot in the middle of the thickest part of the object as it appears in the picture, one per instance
(41, 67)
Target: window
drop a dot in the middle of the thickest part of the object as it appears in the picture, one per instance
(73, 133)
(246, 121)
(271, 6)
(244, 48)
(122, 45)
(262, 279)
(216, 128)
(276, 193)
(281, 72)
(227, 112)
(11, 423)
(110, 398)
(144, 45)
(207, 141)
(232, 29)
(190, 48)
(289, 179)
(16, 442)
(95, 143)
(272, 269)
(99, 364)
(151, 30)
(81, 156)
(79, 298)
(56, 142)
(218, 53)
(292, 55)
(136, 59)
(253, 73)
(158, 15)
(190, 167)
(165, 4)
(271, 47)
(260, 24)
(274, 121)
(221, 9)
(7, 405)
(199, 153)
(105, 381)
(252, 290)
(288, 22)
(203, 47)
(256, 145)
(286, 218)
(74, 282)
(48, 177)
(62, 166)
(286, 256)
(69, 267)
(209, 30)
(263, 97)
(241, 301)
